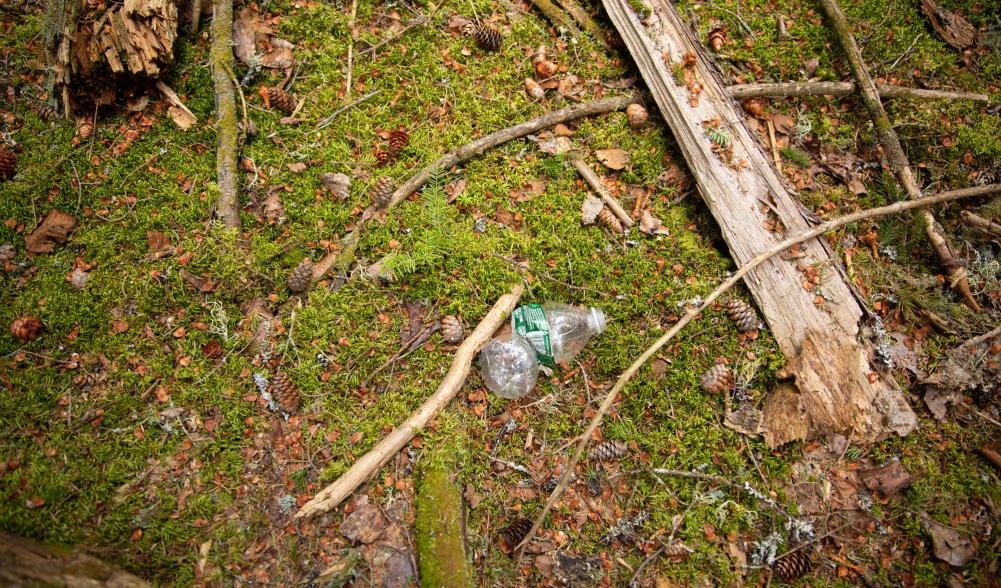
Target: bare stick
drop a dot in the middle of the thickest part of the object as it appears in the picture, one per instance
(754, 262)
(774, 147)
(798, 89)
(175, 100)
(955, 272)
(479, 146)
(991, 456)
(330, 118)
(577, 12)
(227, 206)
(988, 226)
(340, 260)
(554, 14)
(195, 16)
(594, 181)
(370, 463)
(974, 342)
(351, 49)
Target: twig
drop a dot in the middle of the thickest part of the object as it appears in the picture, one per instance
(420, 20)
(370, 463)
(955, 273)
(595, 182)
(990, 455)
(745, 487)
(753, 263)
(772, 144)
(988, 226)
(554, 14)
(886, 91)
(577, 12)
(992, 334)
(227, 206)
(351, 49)
(330, 118)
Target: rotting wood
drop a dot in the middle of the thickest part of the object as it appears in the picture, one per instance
(369, 464)
(24, 562)
(227, 206)
(988, 226)
(886, 91)
(745, 269)
(953, 268)
(753, 204)
(594, 181)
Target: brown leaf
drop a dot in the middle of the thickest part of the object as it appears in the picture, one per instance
(278, 58)
(889, 479)
(274, 211)
(366, 522)
(651, 225)
(212, 349)
(472, 498)
(54, 228)
(157, 241)
(784, 124)
(455, 188)
(297, 167)
(947, 544)
(613, 158)
(245, 28)
(199, 283)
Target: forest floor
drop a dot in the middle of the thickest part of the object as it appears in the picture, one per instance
(132, 424)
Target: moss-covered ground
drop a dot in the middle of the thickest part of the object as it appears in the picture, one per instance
(132, 424)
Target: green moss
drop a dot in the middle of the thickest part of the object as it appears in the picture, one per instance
(439, 530)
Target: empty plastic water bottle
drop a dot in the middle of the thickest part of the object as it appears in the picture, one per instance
(509, 366)
(557, 331)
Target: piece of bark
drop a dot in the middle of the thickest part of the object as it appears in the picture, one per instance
(746, 195)
(370, 463)
(953, 269)
(53, 230)
(886, 91)
(227, 206)
(24, 562)
(954, 29)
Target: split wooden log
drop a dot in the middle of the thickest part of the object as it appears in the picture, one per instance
(24, 562)
(953, 268)
(369, 464)
(227, 206)
(692, 313)
(594, 181)
(988, 226)
(754, 206)
(886, 91)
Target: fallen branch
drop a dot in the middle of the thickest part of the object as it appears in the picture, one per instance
(988, 226)
(351, 49)
(594, 181)
(556, 16)
(227, 206)
(886, 91)
(745, 487)
(341, 259)
(370, 463)
(954, 271)
(737, 276)
(330, 118)
(991, 456)
(577, 12)
(479, 146)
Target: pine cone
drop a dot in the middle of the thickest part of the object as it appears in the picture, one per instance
(608, 218)
(512, 534)
(44, 110)
(398, 141)
(8, 163)
(451, 330)
(743, 315)
(84, 128)
(718, 379)
(717, 38)
(607, 451)
(534, 90)
(792, 566)
(281, 100)
(382, 192)
(487, 38)
(382, 156)
(301, 277)
(284, 392)
(637, 115)
(26, 328)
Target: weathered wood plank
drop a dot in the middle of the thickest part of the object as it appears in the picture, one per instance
(817, 330)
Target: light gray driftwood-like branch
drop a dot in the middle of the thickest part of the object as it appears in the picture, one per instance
(954, 271)
(620, 383)
(800, 89)
(369, 464)
(227, 206)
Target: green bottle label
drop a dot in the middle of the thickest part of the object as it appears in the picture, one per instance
(530, 322)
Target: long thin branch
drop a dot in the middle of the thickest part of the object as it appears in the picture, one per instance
(370, 463)
(799, 89)
(955, 272)
(227, 206)
(556, 16)
(577, 12)
(595, 182)
(988, 226)
(753, 263)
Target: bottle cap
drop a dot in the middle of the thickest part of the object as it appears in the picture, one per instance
(596, 320)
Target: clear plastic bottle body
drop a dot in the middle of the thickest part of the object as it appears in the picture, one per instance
(571, 327)
(509, 366)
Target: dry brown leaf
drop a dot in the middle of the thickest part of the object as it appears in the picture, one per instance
(947, 544)
(889, 479)
(784, 124)
(274, 211)
(245, 27)
(278, 58)
(651, 225)
(54, 229)
(366, 522)
(297, 167)
(615, 159)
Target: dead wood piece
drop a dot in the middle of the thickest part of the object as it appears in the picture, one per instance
(954, 271)
(953, 28)
(594, 181)
(370, 463)
(988, 226)
(990, 455)
(227, 206)
(799, 89)
(24, 562)
(577, 12)
(556, 16)
(746, 269)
